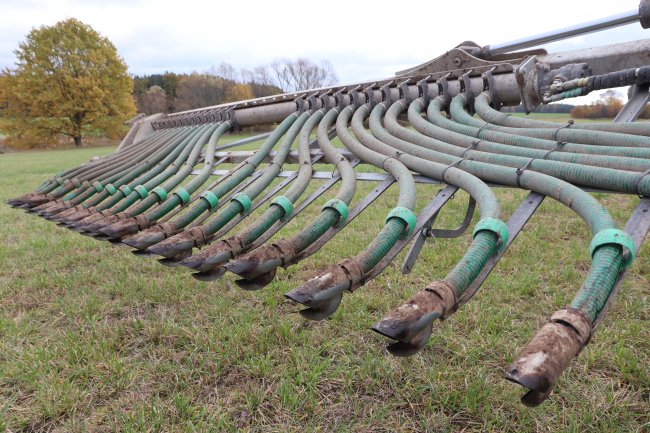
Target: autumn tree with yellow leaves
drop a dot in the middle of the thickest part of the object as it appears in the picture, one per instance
(68, 80)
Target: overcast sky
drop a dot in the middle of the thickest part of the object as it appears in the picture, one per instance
(362, 40)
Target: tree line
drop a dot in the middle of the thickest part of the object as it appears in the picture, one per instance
(169, 92)
(69, 82)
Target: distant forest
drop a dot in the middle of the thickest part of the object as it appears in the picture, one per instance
(170, 92)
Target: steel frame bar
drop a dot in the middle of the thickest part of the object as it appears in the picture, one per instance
(515, 224)
(268, 196)
(428, 232)
(354, 212)
(637, 226)
(424, 218)
(335, 177)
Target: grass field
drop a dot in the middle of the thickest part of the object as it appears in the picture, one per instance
(93, 338)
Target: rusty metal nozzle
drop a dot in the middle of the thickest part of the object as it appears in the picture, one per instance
(95, 225)
(213, 257)
(79, 214)
(151, 236)
(49, 211)
(124, 228)
(550, 351)
(177, 243)
(411, 323)
(258, 268)
(323, 293)
(31, 199)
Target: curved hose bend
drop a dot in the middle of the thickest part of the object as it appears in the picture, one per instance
(439, 298)
(183, 242)
(606, 260)
(218, 254)
(258, 267)
(323, 293)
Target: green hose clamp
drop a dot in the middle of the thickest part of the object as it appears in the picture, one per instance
(111, 189)
(340, 207)
(160, 192)
(285, 204)
(615, 237)
(141, 190)
(243, 200)
(98, 186)
(211, 198)
(407, 216)
(183, 195)
(495, 226)
(125, 190)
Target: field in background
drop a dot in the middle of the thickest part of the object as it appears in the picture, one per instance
(93, 338)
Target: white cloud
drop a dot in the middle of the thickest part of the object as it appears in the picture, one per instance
(362, 40)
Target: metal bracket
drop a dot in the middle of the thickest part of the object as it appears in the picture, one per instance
(521, 72)
(488, 86)
(443, 91)
(639, 97)
(466, 89)
(428, 232)
(424, 217)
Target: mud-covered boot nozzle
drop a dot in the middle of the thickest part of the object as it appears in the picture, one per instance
(550, 351)
(411, 323)
(323, 293)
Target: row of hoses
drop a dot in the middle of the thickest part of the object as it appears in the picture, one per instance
(135, 197)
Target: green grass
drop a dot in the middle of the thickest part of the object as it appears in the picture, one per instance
(93, 338)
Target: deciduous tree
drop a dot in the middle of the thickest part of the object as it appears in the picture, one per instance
(153, 101)
(302, 74)
(69, 80)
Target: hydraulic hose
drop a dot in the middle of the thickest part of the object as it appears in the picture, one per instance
(83, 181)
(630, 158)
(483, 101)
(281, 207)
(439, 128)
(166, 237)
(126, 191)
(258, 267)
(210, 199)
(140, 188)
(112, 187)
(566, 134)
(323, 293)
(137, 216)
